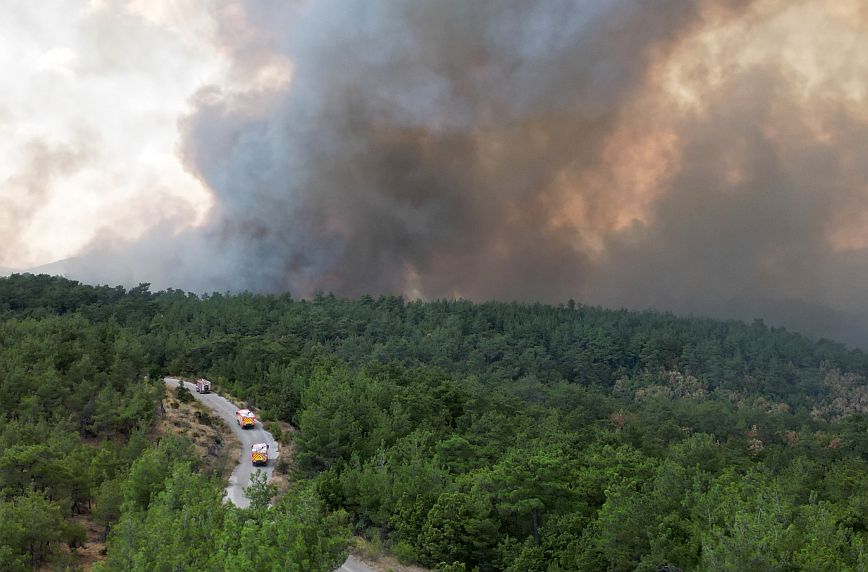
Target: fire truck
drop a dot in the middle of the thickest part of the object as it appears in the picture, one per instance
(259, 454)
(203, 386)
(245, 418)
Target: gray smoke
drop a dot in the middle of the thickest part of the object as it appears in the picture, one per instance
(453, 148)
(39, 165)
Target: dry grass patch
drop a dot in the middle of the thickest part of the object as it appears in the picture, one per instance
(215, 443)
(373, 554)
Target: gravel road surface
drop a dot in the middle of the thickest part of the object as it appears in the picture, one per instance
(353, 565)
(225, 409)
(240, 477)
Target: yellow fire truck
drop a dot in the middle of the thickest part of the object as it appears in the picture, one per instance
(259, 454)
(245, 418)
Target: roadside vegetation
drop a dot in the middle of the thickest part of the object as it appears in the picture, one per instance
(454, 435)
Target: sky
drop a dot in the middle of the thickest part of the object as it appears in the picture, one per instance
(89, 112)
(700, 156)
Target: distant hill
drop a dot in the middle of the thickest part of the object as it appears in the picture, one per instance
(573, 343)
(814, 320)
(57, 268)
(65, 268)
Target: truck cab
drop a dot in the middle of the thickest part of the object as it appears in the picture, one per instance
(203, 386)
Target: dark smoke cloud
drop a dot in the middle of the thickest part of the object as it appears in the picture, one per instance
(743, 229)
(419, 144)
(494, 149)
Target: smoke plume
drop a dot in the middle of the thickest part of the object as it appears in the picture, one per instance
(707, 156)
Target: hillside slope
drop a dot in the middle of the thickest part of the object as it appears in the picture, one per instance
(518, 437)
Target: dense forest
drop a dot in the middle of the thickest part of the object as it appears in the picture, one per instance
(461, 436)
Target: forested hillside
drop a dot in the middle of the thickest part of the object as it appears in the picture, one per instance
(499, 436)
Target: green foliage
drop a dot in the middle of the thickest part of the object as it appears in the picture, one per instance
(405, 553)
(107, 509)
(183, 394)
(468, 436)
(260, 491)
(274, 428)
(30, 526)
(187, 527)
(458, 528)
(147, 474)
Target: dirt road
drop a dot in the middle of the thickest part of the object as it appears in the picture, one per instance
(240, 477)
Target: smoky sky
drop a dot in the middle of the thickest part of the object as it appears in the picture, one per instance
(708, 156)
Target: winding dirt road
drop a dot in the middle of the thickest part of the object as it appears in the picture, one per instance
(240, 477)
(225, 409)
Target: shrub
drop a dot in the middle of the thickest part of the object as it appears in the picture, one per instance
(274, 428)
(404, 552)
(184, 395)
